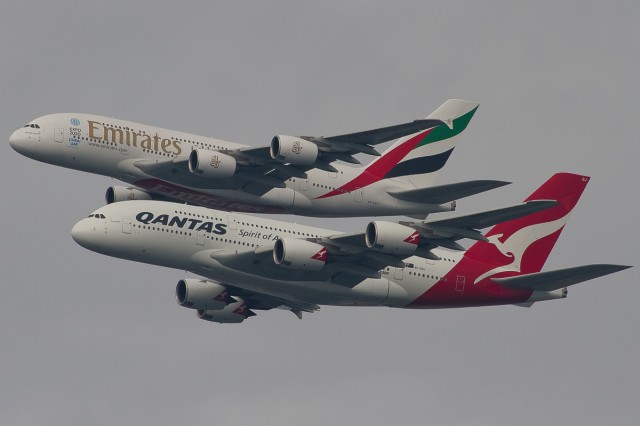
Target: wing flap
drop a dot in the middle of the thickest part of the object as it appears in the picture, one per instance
(553, 280)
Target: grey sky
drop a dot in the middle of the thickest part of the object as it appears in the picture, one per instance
(87, 339)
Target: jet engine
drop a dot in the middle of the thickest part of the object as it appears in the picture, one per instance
(201, 294)
(393, 238)
(290, 149)
(234, 312)
(116, 194)
(211, 164)
(299, 254)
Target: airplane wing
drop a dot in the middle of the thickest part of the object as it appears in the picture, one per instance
(360, 142)
(353, 143)
(261, 168)
(553, 280)
(361, 260)
(350, 258)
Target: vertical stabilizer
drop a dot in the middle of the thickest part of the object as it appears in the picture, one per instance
(523, 245)
(417, 159)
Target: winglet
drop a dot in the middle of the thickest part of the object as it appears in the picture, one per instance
(452, 111)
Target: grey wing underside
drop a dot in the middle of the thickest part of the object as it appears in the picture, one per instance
(554, 280)
(261, 301)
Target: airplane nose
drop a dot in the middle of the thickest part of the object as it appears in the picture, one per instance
(14, 139)
(81, 233)
(19, 142)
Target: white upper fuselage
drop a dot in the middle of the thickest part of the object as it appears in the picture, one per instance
(112, 147)
(185, 237)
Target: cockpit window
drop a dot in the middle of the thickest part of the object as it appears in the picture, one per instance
(32, 125)
(97, 216)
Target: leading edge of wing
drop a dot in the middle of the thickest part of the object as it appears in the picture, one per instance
(383, 134)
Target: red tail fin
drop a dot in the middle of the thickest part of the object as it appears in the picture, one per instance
(523, 245)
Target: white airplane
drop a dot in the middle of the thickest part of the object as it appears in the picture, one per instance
(253, 263)
(294, 175)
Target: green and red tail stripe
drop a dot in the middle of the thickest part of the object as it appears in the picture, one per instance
(405, 157)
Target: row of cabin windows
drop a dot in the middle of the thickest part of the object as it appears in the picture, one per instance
(419, 274)
(172, 231)
(154, 228)
(271, 228)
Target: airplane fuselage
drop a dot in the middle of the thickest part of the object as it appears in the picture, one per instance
(115, 148)
(236, 249)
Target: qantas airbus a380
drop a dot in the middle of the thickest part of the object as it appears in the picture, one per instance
(296, 175)
(252, 263)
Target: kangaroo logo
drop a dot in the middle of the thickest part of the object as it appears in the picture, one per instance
(413, 238)
(321, 255)
(515, 245)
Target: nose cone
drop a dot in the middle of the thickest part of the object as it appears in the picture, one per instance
(82, 234)
(19, 141)
(15, 140)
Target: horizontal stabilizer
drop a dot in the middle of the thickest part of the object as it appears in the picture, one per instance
(553, 280)
(444, 193)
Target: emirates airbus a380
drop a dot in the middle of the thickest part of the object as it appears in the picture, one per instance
(253, 263)
(298, 175)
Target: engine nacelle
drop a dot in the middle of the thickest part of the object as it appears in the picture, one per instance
(201, 294)
(290, 149)
(234, 312)
(393, 238)
(116, 194)
(299, 254)
(211, 164)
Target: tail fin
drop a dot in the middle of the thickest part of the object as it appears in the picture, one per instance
(418, 158)
(523, 245)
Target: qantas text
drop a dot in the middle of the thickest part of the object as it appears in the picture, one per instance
(149, 218)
